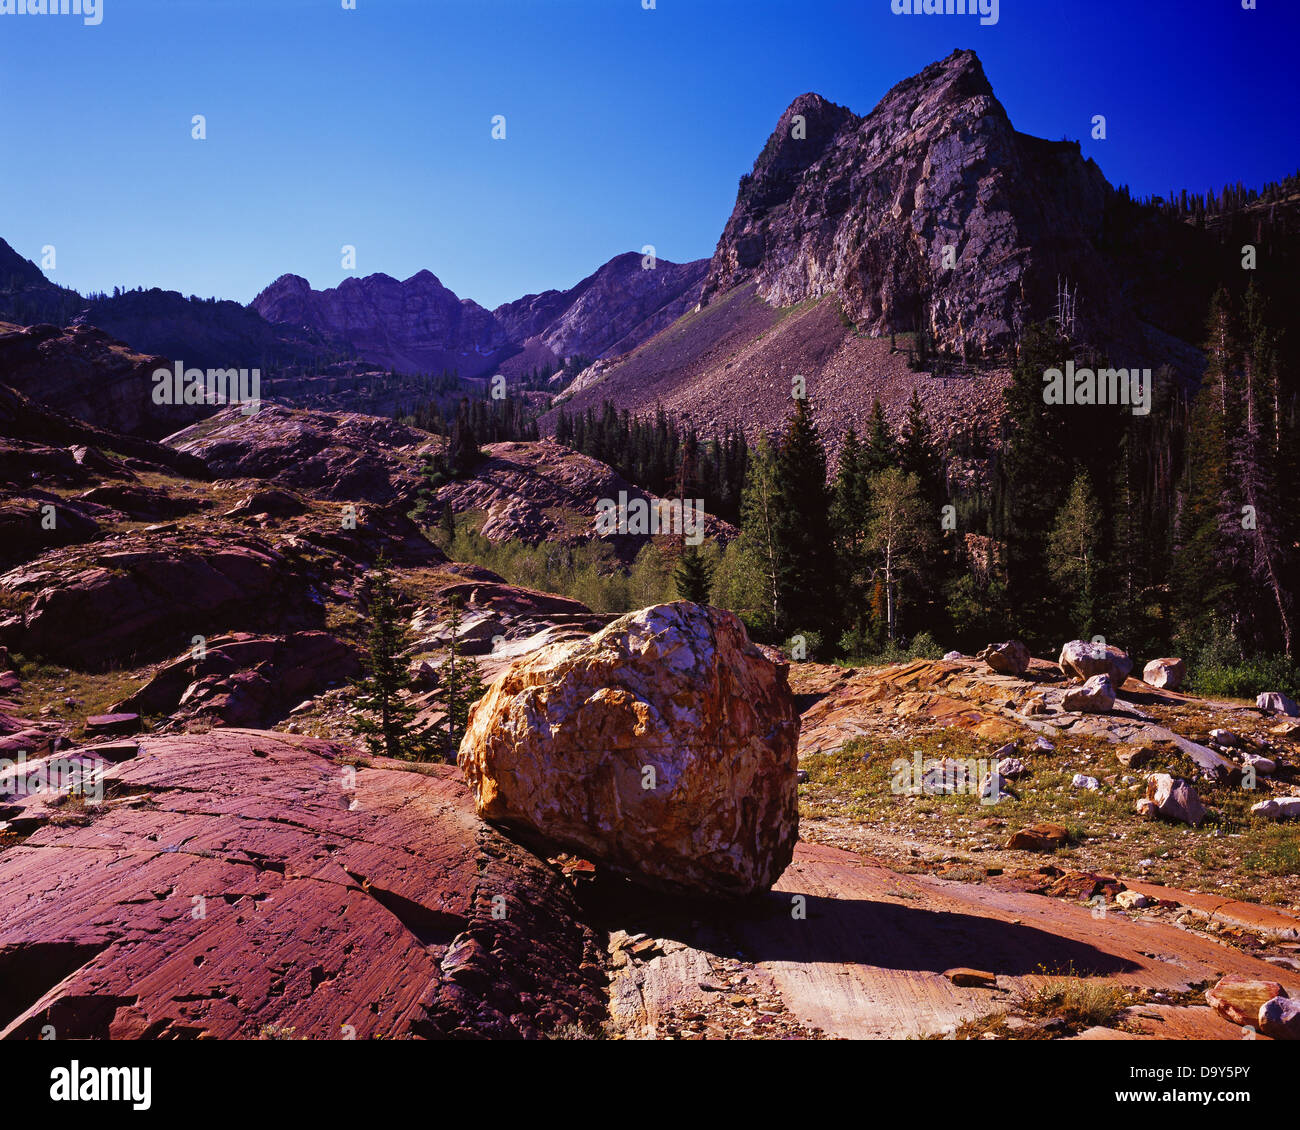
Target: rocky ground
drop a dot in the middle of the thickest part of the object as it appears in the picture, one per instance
(183, 633)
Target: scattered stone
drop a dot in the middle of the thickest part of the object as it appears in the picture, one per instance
(1264, 766)
(1039, 837)
(1279, 1018)
(1096, 696)
(1239, 998)
(1082, 660)
(1132, 900)
(1274, 702)
(1010, 658)
(1034, 705)
(1286, 729)
(1136, 757)
(972, 978)
(112, 725)
(1172, 798)
(994, 789)
(1082, 885)
(1278, 808)
(1167, 674)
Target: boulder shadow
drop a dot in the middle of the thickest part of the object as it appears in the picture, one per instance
(893, 936)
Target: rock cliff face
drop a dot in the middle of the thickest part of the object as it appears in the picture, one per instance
(27, 297)
(866, 206)
(88, 374)
(609, 312)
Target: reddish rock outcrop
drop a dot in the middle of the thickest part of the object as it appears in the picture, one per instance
(88, 374)
(146, 594)
(241, 884)
(330, 455)
(543, 491)
(246, 680)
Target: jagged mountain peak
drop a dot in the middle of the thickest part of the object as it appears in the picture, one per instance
(930, 213)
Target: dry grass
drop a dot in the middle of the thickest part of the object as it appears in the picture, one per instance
(1227, 855)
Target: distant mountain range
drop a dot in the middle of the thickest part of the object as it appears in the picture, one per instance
(412, 326)
(418, 325)
(864, 253)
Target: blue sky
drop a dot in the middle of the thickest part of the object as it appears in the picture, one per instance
(625, 127)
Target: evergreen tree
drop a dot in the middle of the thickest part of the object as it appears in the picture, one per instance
(881, 450)
(694, 576)
(850, 515)
(806, 584)
(1203, 589)
(463, 451)
(1073, 557)
(385, 717)
(916, 451)
(761, 563)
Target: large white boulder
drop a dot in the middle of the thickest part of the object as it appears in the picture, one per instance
(663, 746)
(1082, 659)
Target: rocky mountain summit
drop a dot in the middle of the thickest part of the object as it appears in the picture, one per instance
(415, 325)
(866, 206)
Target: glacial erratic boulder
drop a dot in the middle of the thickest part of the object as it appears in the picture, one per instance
(1173, 799)
(1274, 702)
(1278, 808)
(664, 746)
(1082, 659)
(1167, 674)
(1096, 696)
(1010, 658)
(1239, 999)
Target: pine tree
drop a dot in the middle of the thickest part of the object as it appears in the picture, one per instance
(1203, 590)
(916, 451)
(384, 716)
(1073, 556)
(463, 451)
(694, 576)
(803, 530)
(850, 514)
(761, 562)
(1254, 532)
(881, 449)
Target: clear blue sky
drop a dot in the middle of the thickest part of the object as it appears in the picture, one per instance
(624, 126)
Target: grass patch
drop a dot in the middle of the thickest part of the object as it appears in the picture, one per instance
(1079, 1002)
